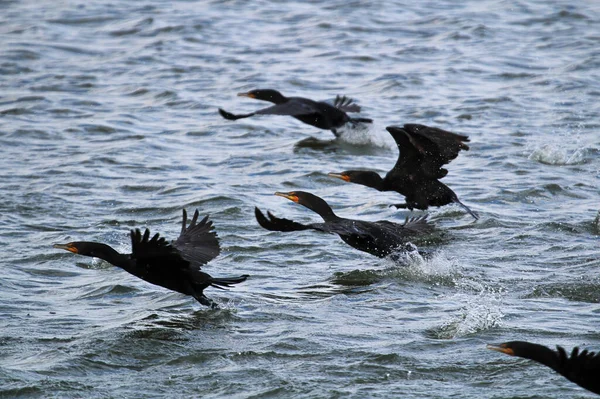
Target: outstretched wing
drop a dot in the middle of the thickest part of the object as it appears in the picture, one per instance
(350, 227)
(409, 157)
(291, 108)
(274, 223)
(155, 252)
(424, 150)
(377, 238)
(438, 143)
(198, 242)
(346, 104)
(583, 368)
(412, 226)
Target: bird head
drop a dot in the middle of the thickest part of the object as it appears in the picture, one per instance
(363, 177)
(311, 201)
(265, 94)
(86, 248)
(506, 347)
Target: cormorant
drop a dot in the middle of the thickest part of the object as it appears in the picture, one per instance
(423, 152)
(315, 113)
(175, 265)
(380, 238)
(582, 368)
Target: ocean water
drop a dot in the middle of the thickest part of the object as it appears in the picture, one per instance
(108, 121)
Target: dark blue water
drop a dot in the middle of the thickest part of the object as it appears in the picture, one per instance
(108, 121)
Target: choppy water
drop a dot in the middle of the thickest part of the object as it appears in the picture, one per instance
(108, 121)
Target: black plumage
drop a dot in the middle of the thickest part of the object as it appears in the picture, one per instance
(315, 113)
(175, 265)
(423, 152)
(380, 238)
(582, 368)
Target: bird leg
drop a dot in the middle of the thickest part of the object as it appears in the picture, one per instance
(206, 301)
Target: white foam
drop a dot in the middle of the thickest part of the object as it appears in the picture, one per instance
(554, 155)
(366, 134)
(479, 312)
(435, 268)
(481, 305)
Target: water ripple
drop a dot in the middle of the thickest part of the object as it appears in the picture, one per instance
(109, 122)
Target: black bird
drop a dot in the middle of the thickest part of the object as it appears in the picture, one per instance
(582, 368)
(175, 265)
(315, 113)
(380, 238)
(423, 152)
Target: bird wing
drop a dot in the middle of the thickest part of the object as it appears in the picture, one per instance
(417, 225)
(198, 242)
(438, 143)
(155, 252)
(583, 368)
(345, 104)
(274, 223)
(377, 238)
(409, 156)
(291, 108)
(364, 230)
(424, 150)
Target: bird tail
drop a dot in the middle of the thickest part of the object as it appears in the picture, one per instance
(225, 282)
(233, 117)
(472, 213)
(354, 121)
(345, 104)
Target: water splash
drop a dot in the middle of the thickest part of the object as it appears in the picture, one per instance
(365, 134)
(481, 305)
(434, 268)
(551, 154)
(480, 312)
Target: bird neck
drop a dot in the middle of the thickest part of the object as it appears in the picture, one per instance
(276, 97)
(109, 254)
(541, 354)
(369, 179)
(318, 205)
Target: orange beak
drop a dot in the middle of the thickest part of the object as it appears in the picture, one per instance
(291, 196)
(69, 247)
(501, 348)
(246, 95)
(340, 176)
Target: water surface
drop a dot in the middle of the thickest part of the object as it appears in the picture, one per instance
(108, 121)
